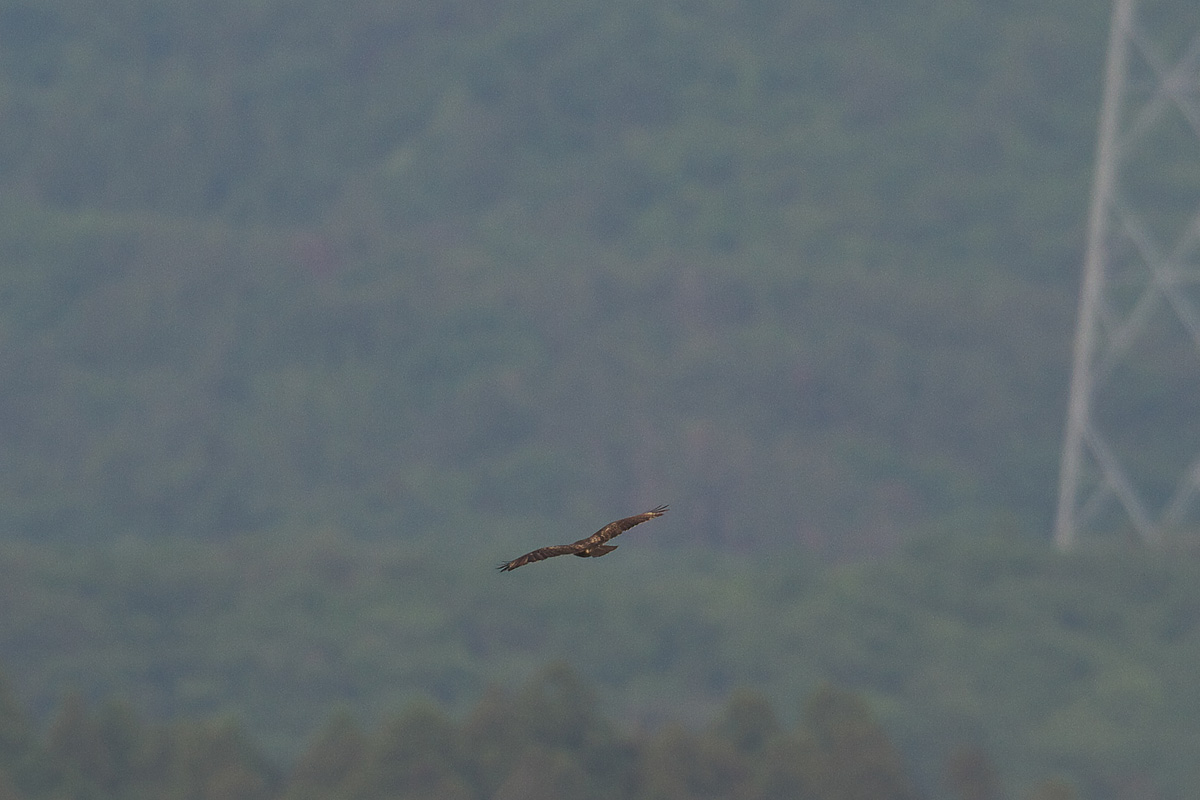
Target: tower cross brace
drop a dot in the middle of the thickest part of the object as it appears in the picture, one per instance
(1092, 474)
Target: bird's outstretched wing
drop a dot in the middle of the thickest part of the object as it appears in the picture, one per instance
(620, 526)
(541, 554)
(592, 546)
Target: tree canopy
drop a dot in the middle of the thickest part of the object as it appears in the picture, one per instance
(544, 742)
(805, 270)
(1078, 665)
(309, 307)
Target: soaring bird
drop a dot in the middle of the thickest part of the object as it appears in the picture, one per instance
(592, 547)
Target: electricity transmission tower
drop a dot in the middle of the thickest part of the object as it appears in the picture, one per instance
(1141, 271)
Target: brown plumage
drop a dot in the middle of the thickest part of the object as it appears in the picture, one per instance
(592, 547)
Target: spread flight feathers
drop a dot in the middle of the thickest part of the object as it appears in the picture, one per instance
(592, 547)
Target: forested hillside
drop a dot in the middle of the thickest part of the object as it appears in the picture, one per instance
(312, 312)
(547, 741)
(1080, 666)
(805, 270)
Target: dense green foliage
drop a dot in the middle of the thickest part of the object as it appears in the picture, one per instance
(1079, 665)
(803, 269)
(548, 741)
(312, 311)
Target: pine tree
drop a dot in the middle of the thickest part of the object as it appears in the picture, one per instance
(215, 760)
(20, 757)
(1053, 789)
(558, 712)
(416, 755)
(678, 765)
(322, 770)
(862, 762)
(748, 721)
(75, 749)
(8, 789)
(970, 774)
(494, 738)
(793, 768)
(543, 774)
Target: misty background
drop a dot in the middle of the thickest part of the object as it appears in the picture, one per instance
(311, 313)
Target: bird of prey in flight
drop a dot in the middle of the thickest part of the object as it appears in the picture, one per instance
(592, 547)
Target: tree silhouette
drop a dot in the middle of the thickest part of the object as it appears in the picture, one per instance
(970, 774)
(323, 769)
(416, 754)
(21, 762)
(862, 762)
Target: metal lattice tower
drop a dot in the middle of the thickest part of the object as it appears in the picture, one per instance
(1141, 271)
